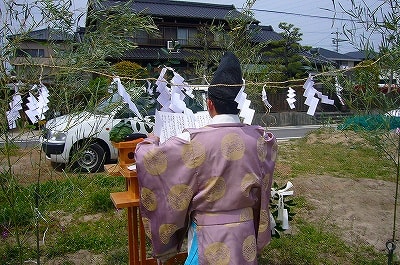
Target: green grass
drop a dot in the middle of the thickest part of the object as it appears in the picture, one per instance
(99, 236)
(77, 213)
(312, 244)
(351, 160)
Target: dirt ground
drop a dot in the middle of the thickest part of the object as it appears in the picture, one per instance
(30, 163)
(362, 209)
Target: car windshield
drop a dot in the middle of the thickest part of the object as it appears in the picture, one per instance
(109, 104)
(145, 105)
(115, 104)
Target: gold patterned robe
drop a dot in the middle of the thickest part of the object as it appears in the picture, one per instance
(220, 179)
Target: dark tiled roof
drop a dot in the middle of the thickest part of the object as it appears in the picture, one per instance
(361, 55)
(316, 58)
(265, 33)
(332, 55)
(168, 8)
(46, 34)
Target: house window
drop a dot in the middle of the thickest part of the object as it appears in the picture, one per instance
(183, 36)
(169, 33)
(186, 36)
(30, 53)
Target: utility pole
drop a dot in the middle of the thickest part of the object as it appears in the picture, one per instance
(336, 40)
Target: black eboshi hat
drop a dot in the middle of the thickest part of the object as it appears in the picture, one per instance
(229, 73)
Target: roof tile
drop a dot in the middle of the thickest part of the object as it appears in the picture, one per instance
(169, 8)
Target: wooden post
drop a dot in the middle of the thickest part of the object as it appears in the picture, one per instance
(130, 199)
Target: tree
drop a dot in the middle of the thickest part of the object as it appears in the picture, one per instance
(366, 91)
(236, 35)
(384, 21)
(129, 69)
(73, 87)
(107, 37)
(285, 55)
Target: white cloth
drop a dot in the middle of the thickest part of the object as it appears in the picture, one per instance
(225, 118)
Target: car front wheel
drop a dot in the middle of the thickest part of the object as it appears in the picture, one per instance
(88, 158)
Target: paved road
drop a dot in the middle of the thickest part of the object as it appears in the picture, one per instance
(292, 132)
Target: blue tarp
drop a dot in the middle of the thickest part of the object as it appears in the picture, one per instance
(370, 123)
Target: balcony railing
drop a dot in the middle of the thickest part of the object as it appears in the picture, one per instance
(161, 42)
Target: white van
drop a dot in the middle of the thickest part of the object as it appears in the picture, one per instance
(81, 140)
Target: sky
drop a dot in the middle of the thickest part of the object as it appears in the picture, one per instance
(314, 18)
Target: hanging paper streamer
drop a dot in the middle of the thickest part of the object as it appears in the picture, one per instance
(33, 108)
(309, 92)
(283, 214)
(149, 88)
(122, 92)
(172, 97)
(291, 97)
(178, 86)
(174, 115)
(265, 99)
(37, 107)
(311, 100)
(244, 105)
(15, 107)
(339, 92)
(164, 97)
(43, 101)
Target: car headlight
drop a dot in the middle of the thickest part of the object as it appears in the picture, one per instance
(56, 136)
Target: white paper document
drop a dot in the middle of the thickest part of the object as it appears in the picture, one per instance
(132, 167)
(169, 124)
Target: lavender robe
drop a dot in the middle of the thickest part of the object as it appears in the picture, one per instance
(220, 179)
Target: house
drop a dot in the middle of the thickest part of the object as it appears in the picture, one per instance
(179, 25)
(362, 55)
(341, 61)
(389, 80)
(35, 51)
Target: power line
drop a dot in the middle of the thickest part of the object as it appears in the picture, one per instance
(300, 15)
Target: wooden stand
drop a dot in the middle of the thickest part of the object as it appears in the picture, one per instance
(130, 199)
